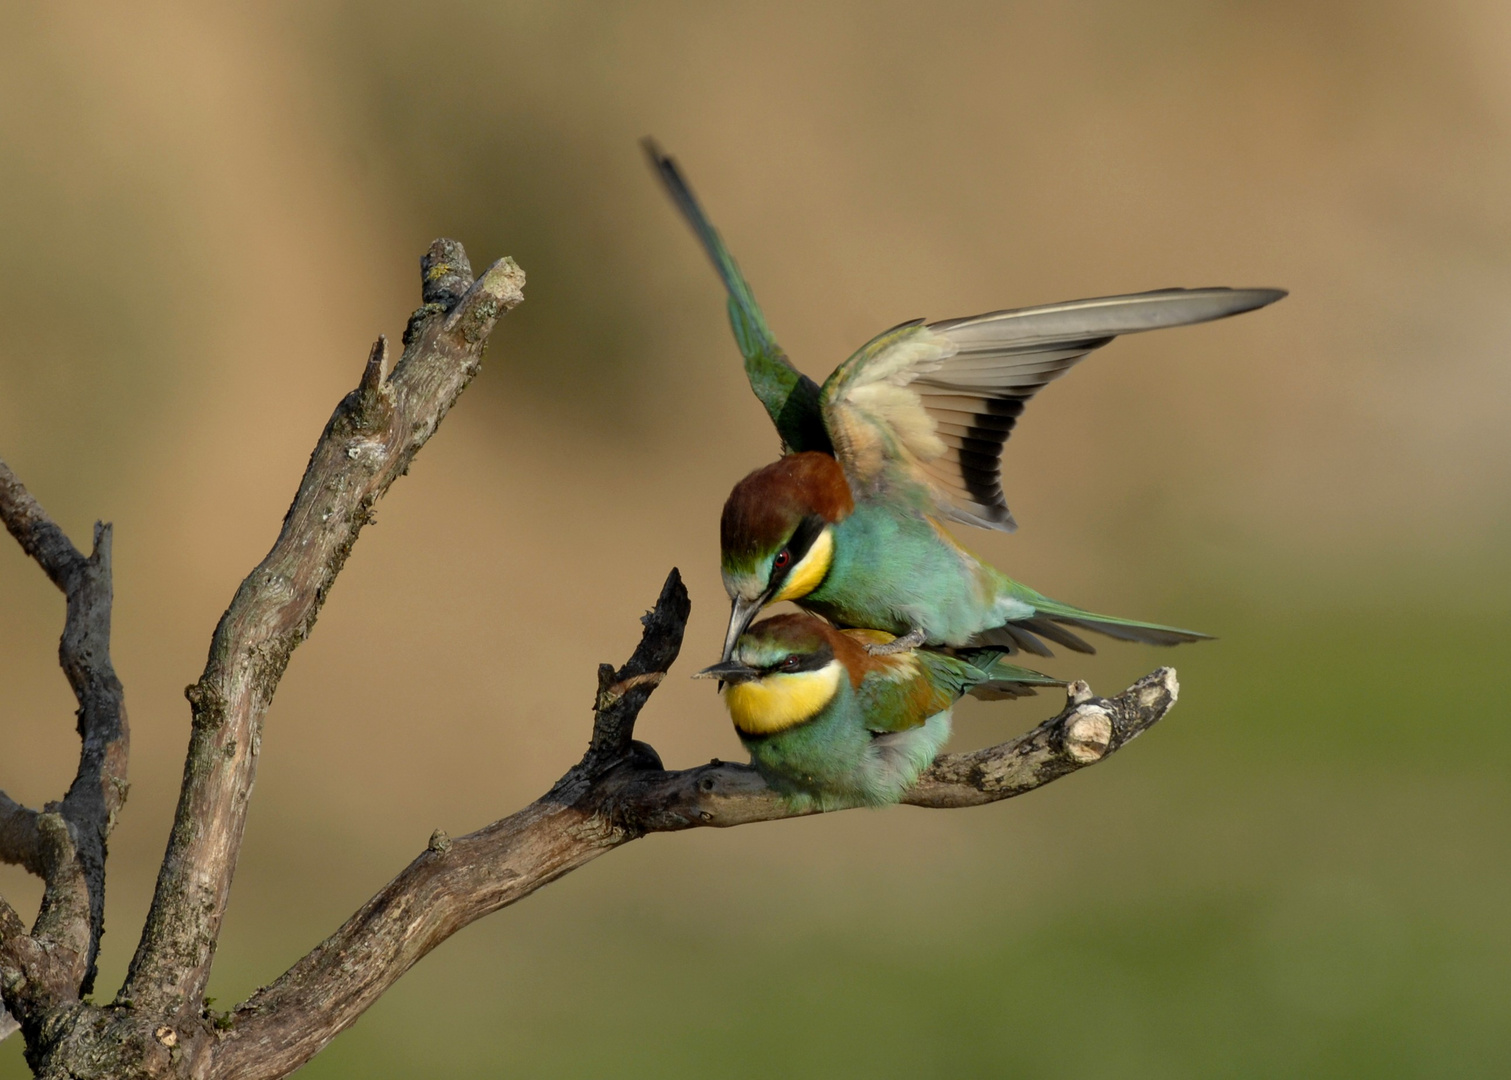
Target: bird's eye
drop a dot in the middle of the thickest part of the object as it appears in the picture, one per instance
(791, 663)
(783, 560)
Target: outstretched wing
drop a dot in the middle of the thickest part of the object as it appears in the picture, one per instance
(935, 403)
(789, 396)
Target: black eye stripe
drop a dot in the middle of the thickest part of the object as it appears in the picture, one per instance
(803, 536)
(806, 662)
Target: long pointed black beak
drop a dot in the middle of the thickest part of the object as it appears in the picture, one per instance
(729, 671)
(741, 614)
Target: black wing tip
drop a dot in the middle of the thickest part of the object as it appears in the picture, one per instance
(664, 166)
(681, 193)
(1001, 517)
(656, 154)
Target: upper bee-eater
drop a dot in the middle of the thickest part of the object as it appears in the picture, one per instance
(830, 723)
(906, 433)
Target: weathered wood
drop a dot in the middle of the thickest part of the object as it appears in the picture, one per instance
(159, 1026)
(65, 843)
(618, 792)
(369, 443)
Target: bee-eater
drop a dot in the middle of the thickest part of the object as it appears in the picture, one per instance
(829, 723)
(906, 433)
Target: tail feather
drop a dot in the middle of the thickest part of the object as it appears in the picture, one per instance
(1000, 691)
(1003, 680)
(1010, 637)
(1122, 629)
(1059, 635)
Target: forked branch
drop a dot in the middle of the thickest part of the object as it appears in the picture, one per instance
(158, 1025)
(618, 792)
(369, 442)
(65, 842)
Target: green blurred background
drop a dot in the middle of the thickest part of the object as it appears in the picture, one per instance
(210, 210)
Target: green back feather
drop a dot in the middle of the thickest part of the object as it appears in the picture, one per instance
(961, 672)
(790, 397)
(892, 704)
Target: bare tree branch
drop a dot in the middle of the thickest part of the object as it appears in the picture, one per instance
(158, 1025)
(12, 971)
(39, 979)
(38, 536)
(19, 843)
(65, 844)
(369, 442)
(617, 793)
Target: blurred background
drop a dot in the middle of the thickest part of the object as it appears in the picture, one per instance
(209, 211)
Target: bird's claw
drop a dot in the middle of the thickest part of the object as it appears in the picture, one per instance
(911, 640)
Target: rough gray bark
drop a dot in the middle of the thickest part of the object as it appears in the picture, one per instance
(159, 1025)
(65, 843)
(370, 440)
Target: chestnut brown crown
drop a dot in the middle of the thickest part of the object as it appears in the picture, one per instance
(766, 507)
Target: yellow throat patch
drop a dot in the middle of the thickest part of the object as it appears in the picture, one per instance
(807, 574)
(778, 702)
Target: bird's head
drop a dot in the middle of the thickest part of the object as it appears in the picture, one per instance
(783, 671)
(776, 534)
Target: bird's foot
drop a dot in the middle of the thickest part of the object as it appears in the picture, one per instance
(911, 640)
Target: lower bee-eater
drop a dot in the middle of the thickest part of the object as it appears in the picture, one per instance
(830, 723)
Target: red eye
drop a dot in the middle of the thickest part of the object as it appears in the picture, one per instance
(783, 558)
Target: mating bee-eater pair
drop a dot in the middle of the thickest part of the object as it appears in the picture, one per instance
(849, 525)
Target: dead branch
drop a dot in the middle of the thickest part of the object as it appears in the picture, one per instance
(617, 793)
(65, 843)
(158, 1025)
(20, 843)
(369, 442)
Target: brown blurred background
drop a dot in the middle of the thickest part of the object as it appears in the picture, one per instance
(209, 211)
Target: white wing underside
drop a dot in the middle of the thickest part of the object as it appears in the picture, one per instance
(934, 404)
